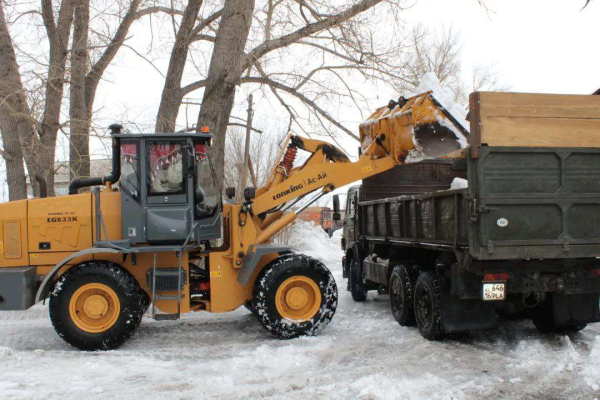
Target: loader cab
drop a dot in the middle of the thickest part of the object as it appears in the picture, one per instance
(168, 189)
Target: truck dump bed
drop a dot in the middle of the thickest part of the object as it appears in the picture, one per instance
(540, 199)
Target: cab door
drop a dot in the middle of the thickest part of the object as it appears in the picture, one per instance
(168, 191)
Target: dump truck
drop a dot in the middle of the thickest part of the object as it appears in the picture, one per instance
(518, 233)
(156, 234)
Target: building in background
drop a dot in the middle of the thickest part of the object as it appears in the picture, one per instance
(62, 176)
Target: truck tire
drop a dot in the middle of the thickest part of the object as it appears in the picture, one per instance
(96, 305)
(401, 290)
(428, 307)
(294, 295)
(356, 285)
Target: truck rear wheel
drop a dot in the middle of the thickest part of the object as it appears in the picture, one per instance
(295, 295)
(96, 306)
(355, 283)
(401, 290)
(428, 307)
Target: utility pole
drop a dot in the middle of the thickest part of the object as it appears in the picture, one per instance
(247, 161)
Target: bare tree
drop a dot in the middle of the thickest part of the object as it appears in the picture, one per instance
(256, 43)
(431, 51)
(37, 138)
(486, 78)
(85, 78)
(439, 53)
(264, 149)
(11, 98)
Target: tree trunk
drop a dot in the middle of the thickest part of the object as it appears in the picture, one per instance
(219, 93)
(58, 35)
(172, 93)
(79, 146)
(15, 172)
(14, 114)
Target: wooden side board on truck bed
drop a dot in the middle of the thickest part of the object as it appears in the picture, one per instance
(534, 120)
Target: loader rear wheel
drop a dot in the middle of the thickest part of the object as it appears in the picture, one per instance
(402, 291)
(295, 295)
(96, 306)
(428, 307)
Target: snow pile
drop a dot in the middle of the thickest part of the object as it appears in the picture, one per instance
(445, 97)
(591, 369)
(459, 183)
(306, 238)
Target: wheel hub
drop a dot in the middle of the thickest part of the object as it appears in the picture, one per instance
(94, 307)
(298, 298)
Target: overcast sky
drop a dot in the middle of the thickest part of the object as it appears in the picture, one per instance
(544, 46)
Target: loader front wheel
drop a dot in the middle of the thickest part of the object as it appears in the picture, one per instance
(96, 306)
(295, 295)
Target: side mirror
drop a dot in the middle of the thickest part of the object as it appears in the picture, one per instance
(249, 193)
(230, 192)
(336, 203)
(336, 216)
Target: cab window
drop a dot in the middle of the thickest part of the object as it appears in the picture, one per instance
(165, 166)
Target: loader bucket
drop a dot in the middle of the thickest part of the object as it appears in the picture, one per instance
(412, 130)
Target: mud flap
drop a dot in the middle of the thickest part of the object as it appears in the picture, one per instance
(467, 315)
(575, 309)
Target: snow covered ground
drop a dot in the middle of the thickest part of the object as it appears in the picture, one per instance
(362, 354)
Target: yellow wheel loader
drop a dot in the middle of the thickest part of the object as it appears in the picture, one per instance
(156, 234)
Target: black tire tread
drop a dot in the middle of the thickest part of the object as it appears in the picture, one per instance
(266, 286)
(406, 317)
(133, 305)
(435, 331)
(355, 285)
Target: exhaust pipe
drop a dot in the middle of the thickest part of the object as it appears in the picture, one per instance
(115, 174)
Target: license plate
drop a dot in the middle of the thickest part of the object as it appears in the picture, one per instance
(494, 291)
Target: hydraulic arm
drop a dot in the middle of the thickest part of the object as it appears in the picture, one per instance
(405, 131)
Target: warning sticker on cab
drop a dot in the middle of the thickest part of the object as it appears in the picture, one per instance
(215, 274)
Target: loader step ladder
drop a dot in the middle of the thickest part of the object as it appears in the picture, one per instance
(169, 273)
(156, 294)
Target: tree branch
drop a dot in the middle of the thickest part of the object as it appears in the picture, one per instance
(206, 22)
(156, 9)
(301, 97)
(306, 31)
(97, 70)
